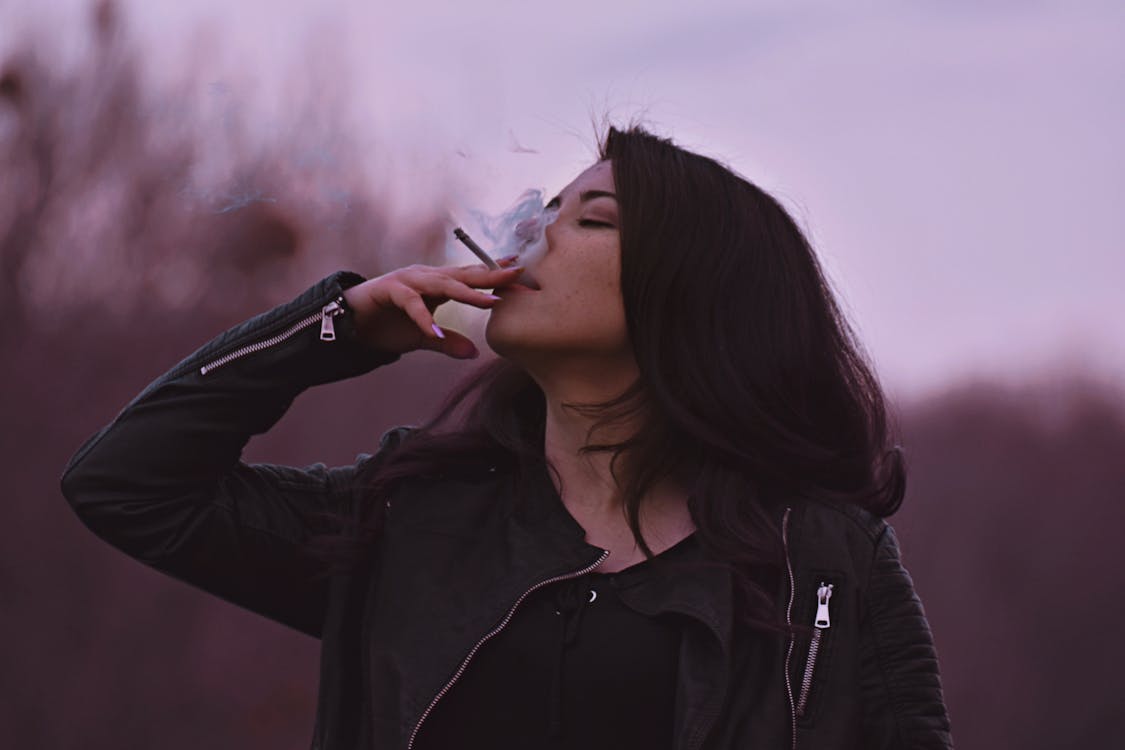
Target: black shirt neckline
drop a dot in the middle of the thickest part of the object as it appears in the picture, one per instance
(642, 567)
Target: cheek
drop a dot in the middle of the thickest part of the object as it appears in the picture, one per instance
(585, 259)
(603, 269)
(595, 282)
(595, 293)
(582, 301)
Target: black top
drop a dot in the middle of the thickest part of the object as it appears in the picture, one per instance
(573, 668)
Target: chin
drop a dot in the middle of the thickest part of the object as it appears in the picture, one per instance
(498, 340)
(509, 339)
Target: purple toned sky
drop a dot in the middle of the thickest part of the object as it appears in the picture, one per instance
(959, 165)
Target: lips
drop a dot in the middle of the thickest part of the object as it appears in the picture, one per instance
(514, 287)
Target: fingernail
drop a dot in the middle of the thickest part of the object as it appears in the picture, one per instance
(437, 331)
(508, 259)
(493, 296)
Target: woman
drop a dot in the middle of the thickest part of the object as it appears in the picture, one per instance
(505, 580)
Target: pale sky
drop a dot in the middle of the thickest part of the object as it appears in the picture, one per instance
(959, 165)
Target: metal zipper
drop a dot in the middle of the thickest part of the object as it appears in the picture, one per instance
(327, 333)
(490, 634)
(789, 622)
(821, 622)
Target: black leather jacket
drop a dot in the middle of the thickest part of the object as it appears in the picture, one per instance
(164, 483)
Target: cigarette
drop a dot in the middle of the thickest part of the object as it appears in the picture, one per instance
(459, 233)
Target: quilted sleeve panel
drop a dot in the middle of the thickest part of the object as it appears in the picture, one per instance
(900, 679)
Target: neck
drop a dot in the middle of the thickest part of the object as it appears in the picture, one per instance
(588, 489)
(586, 479)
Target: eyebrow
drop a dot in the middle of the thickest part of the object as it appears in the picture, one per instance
(587, 195)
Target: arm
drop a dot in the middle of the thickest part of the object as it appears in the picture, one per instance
(164, 481)
(900, 681)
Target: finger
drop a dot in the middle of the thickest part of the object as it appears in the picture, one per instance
(437, 287)
(411, 303)
(482, 276)
(455, 344)
(476, 273)
(456, 290)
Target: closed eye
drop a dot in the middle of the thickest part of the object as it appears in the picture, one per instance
(595, 223)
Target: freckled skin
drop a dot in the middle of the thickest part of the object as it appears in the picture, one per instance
(578, 317)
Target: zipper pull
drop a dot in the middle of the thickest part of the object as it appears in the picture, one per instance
(823, 594)
(329, 311)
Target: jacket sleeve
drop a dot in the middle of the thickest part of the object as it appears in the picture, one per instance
(903, 705)
(164, 481)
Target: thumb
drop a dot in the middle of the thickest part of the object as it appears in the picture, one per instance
(455, 344)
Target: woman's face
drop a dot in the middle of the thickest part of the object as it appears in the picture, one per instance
(578, 310)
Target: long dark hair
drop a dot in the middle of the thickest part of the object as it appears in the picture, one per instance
(753, 387)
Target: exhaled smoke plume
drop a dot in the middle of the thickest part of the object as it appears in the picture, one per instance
(521, 230)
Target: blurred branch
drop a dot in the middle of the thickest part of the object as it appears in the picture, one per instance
(103, 203)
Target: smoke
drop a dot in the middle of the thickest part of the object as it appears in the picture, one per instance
(520, 230)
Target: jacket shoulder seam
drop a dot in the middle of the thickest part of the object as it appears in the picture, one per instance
(871, 525)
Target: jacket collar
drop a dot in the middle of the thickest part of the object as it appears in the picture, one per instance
(680, 583)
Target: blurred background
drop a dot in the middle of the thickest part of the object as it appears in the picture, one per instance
(170, 169)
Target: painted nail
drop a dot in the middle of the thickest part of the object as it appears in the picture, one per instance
(437, 331)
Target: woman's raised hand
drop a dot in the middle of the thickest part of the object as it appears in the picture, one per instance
(394, 312)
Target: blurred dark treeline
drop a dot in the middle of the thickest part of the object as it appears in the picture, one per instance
(115, 263)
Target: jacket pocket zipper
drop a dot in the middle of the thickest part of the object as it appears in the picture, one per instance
(820, 623)
(327, 333)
